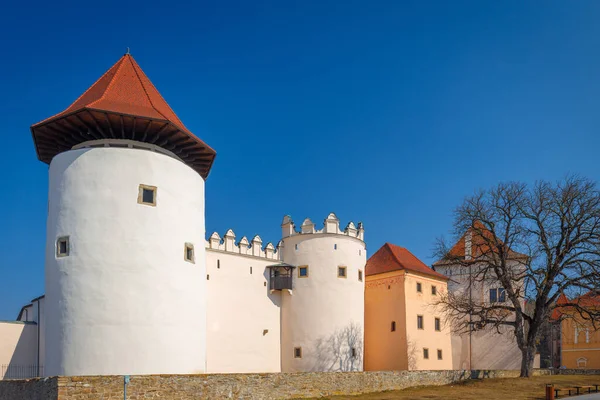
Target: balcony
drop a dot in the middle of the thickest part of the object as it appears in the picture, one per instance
(280, 277)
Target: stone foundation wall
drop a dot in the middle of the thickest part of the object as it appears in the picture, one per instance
(234, 386)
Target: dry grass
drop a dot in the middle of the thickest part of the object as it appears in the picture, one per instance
(488, 389)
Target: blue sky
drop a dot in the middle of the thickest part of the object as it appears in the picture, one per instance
(389, 113)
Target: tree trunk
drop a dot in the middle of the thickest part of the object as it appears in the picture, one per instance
(528, 355)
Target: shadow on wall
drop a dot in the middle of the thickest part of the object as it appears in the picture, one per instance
(411, 353)
(340, 352)
(19, 351)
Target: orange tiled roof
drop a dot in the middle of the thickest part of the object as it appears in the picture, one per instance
(393, 258)
(122, 104)
(479, 244)
(588, 300)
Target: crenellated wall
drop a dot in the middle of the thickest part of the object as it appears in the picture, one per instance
(243, 247)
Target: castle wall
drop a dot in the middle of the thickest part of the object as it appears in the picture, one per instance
(324, 313)
(243, 331)
(18, 349)
(124, 300)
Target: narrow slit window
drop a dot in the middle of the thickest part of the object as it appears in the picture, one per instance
(147, 195)
(341, 272)
(419, 322)
(393, 326)
(335, 246)
(250, 270)
(188, 254)
(438, 324)
(419, 287)
(296, 247)
(439, 354)
(218, 264)
(62, 246)
(434, 290)
(353, 352)
(297, 352)
(426, 353)
(360, 275)
(303, 271)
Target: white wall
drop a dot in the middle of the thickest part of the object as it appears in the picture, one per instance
(323, 307)
(18, 349)
(240, 310)
(124, 301)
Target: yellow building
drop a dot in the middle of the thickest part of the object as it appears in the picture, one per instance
(403, 329)
(580, 341)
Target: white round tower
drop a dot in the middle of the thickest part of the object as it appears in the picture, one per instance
(125, 258)
(323, 315)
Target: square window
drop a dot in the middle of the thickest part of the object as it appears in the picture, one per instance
(501, 295)
(188, 253)
(434, 290)
(493, 295)
(341, 272)
(439, 354)
(303, 271)
(297, 352)
(438, 324)
(393, 326)
(147, 195)
(62, 246)
(419, 322)
(426, 353)
(353, 352)
(360, 275)
(419, 287)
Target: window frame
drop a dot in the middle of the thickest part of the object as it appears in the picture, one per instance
(345, 269)
(66, 240)
(495, 296)
(298, 352)
(189, 246)
(437, 324)
(440, 355)
(353, 353)
(141, 189)
(501, 295)
(360, 275)
(300, 268)
(419, 287)
(426, 353)
(420, 321)
(393, 326)
(433, 290)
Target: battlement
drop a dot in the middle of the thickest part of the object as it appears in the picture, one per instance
(244, 247)
(331, 224)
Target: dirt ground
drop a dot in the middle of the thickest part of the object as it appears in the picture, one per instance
(486, 389)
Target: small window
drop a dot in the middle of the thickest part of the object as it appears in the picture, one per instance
(438, 324)
(419, 287)
(393, 326)
(433, 290)
(426, 353)
(341, 272)
(147, 195)
(296, 247)
(439, 354)
(207, 277)
(419, 322)
(493, 295)
(188, 253)
(218, 264)
(501, 295)
(62, 246)
(335, 246)
(297, 352)
(303, 271)
(389, 287)
(360, 276)
(359, 252)
(250, 270)
(353, 352)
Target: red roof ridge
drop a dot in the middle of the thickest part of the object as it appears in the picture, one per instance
(380, 260)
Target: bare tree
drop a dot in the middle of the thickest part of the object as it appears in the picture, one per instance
(340, 351)
(536, 242)
(411, 354)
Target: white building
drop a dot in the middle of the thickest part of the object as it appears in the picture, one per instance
(133, 286)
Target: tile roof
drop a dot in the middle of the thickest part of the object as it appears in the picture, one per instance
(588, 300)
(122, 104)
(479, 244)
(394, 258)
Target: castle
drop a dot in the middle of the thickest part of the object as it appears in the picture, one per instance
(134, 287)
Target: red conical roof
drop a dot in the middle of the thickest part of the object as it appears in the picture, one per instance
(122, 104)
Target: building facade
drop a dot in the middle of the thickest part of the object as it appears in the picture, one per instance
(404, 329)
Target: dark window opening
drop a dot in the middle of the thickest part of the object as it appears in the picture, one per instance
(426, 353)
(62, 246)
(297, 352)
(434, 290)
(419, 322)
(353, 352)
(501, 295)
(303, 272)
(341, 272)
(493, 295)
(419, 287)
(439, 354)
(393, 326)
(437, 324)
(360, 275)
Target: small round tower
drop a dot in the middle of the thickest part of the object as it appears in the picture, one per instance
(125, 262)
(323, 315)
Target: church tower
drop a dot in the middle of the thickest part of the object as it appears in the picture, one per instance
(125, 262)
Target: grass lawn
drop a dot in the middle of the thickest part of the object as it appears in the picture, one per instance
(488, 389)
